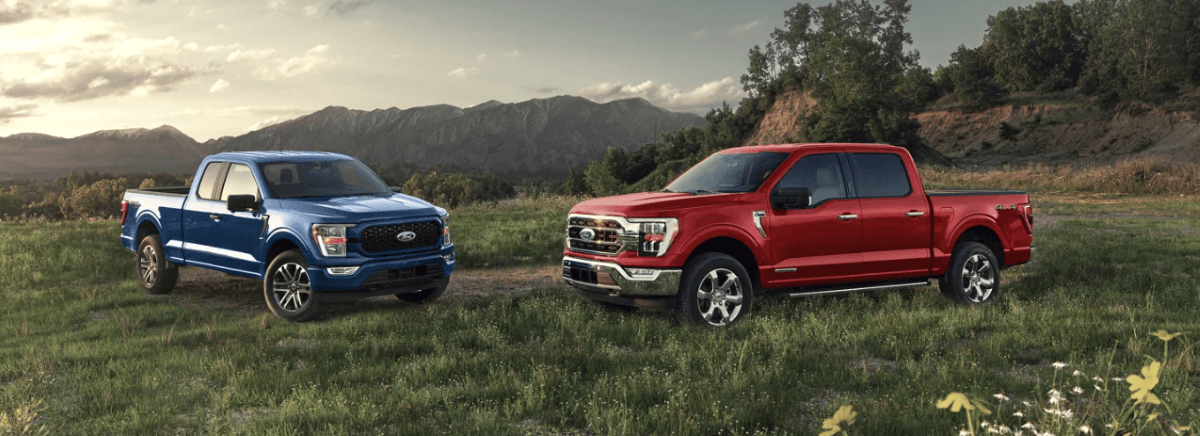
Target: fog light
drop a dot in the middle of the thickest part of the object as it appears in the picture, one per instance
(342, 270)
(449, 258)
(640, 272)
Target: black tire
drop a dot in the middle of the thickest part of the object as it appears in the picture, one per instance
(156, 274)
(288, 290)
(715, 291)
(973, 276)
(423, 296)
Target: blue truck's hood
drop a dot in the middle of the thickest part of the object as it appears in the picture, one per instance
(361, 208)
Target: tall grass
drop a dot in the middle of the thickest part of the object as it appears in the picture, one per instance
(1136, 176)
(84, 351)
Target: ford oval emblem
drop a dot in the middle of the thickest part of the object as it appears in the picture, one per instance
(587, 234)
(406, 236)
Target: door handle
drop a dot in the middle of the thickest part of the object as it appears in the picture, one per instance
(847, 217)
(915, 214)
(215, 217)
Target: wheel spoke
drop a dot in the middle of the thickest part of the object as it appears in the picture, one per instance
(724, 313)
(984, 267)
(730, 281)
(734, 299)
(708, 314)
(703, 295)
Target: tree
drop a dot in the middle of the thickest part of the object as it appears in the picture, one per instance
(971, 75)
(1035, 45)
(856, 62)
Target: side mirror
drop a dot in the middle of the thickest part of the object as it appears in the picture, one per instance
(790, 198)
(239, 203)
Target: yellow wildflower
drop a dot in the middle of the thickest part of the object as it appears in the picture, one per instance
(1141, 386)
(844, 415)
(1162, 334)
(955, 401)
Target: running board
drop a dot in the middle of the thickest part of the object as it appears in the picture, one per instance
(860, 289)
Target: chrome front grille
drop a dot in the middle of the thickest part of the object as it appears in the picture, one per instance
(597, 235)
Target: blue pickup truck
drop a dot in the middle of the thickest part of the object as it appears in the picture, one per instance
(315, 227)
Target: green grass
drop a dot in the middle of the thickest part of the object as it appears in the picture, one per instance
(79, 336)
(519, 232)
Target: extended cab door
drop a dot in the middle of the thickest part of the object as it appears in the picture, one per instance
(238, 233)
(895, 216)
(198, 227)
(821, 243)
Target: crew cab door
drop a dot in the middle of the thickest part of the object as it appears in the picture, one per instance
(896, 218)
(820, 243)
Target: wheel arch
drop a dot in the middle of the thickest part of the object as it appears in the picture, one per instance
(985, 235)
(278, 243)
(734, 248)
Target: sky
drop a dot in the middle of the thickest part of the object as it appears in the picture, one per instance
(214, 68)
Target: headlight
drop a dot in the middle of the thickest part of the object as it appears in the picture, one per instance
(655, 235)
(331, 238)
(445, 230)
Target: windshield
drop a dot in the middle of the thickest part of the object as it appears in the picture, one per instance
(335, 178)
(732, 172)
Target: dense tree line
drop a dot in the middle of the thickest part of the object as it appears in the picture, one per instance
(1114, 49)
(854, 59)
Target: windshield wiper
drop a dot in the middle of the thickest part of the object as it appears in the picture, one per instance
(706, 191)
(666, 190)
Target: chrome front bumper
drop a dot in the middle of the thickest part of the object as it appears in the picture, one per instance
(616, 281)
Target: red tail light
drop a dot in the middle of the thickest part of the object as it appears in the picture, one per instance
(124, 210)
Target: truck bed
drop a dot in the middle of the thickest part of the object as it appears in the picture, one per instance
(175, 191)
(958, 192)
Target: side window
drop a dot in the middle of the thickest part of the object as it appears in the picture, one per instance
(880, 175)
(240, 181)
(820, 173)
(209, 181)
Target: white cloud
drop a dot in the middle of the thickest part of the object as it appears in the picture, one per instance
(250, 55)
(314, 58)
(481, 58)
(744, 28)
(221, 85)
(73, 59)
(18, 111)
(699, 34)
(515, 53)
(462, 72)
(276, 4)
(667, 96)
(312, 11)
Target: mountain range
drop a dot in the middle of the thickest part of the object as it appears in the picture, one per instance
(539, 136)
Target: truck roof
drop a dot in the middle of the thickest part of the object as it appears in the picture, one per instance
(277, 156)
(789, 148)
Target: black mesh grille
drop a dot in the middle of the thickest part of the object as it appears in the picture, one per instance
(383, 238)
(580, 275)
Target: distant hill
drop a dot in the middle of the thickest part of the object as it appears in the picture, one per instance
(538, 136)
(541, 135)
(37, 156)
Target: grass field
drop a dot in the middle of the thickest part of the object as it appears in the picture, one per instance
(84, 351)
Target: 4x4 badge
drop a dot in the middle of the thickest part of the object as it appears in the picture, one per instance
(406, 236)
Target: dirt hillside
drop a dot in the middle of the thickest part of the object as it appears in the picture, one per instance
(1018, 134)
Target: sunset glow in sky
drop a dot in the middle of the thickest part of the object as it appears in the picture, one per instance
(225, 67)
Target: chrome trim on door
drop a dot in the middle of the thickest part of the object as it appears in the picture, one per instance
(847, 217)
(758, 216)
(914, 214)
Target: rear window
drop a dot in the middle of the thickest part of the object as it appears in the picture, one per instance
(880, 175)
(208, 182)
(240, 181)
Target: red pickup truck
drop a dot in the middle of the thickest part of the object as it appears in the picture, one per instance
(801, 219)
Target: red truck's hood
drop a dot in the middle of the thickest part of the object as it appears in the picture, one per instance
(653, 204)
(364, 208)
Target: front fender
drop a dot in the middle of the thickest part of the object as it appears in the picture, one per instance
(282, 234)
(713, 231)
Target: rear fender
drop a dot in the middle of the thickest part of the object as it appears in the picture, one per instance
(944, 248)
